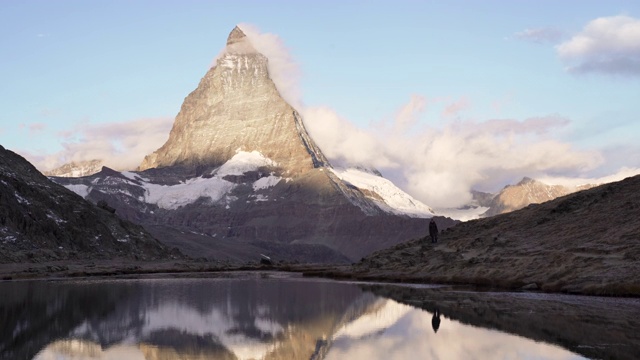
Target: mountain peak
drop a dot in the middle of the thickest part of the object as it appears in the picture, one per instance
(237, 107)
(235, 36)
(527, 180)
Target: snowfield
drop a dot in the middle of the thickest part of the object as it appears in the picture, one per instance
(215, 188)
(398, 201)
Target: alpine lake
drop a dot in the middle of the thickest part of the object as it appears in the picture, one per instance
(271, 315)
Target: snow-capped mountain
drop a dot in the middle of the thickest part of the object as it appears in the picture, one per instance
(76, 169)
(239, 169)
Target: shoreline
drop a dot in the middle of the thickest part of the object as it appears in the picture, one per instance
(122, 269)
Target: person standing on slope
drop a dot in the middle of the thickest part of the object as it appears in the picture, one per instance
(433, 231)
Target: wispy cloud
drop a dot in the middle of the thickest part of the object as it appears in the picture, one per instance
(540, 35)
(121, 145)
(454, 109)
(607, 45)
(33, 128)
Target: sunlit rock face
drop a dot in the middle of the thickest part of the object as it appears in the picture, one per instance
(237, 107)
(528, 191)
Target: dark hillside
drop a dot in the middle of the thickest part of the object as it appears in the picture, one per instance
(586, 242)
(43, 221)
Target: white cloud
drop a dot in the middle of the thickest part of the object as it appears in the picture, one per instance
(440, 166)
(609, 45)
(120, 145)
(283, 70)
(623, 173)
(407, 116)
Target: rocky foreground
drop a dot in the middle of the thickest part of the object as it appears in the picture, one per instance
(584, 243)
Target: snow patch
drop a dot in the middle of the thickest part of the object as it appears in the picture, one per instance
(398, 201)
(55, 218)
(266, 182)
(243, 162)
(175, 196)
(80, 189)
(22, 200)
(215, 188)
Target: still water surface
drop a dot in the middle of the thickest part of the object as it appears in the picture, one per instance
(252, 316)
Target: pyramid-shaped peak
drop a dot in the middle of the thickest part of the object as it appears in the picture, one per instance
(236, 35)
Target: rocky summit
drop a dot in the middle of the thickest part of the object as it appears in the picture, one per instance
(42, 221)
(240, 176)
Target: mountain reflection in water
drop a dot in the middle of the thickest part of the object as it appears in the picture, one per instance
(250, 316)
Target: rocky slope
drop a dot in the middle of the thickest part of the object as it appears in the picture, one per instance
(586, 242)
(239, 172)
(43, 221)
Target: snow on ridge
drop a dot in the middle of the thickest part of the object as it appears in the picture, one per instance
(398, 201)
(243, 162)
(216, 188)
(172, 197)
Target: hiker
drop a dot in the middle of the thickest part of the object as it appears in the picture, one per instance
(435, 320)
(433, 231)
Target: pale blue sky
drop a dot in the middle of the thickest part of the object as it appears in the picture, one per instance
(65, 63)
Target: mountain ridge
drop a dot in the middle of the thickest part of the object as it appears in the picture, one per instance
(41, 220)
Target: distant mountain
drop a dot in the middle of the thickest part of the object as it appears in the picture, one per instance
(527, 191)
(240, 175)
(76, 169)
(584, 242)
(41, 220)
